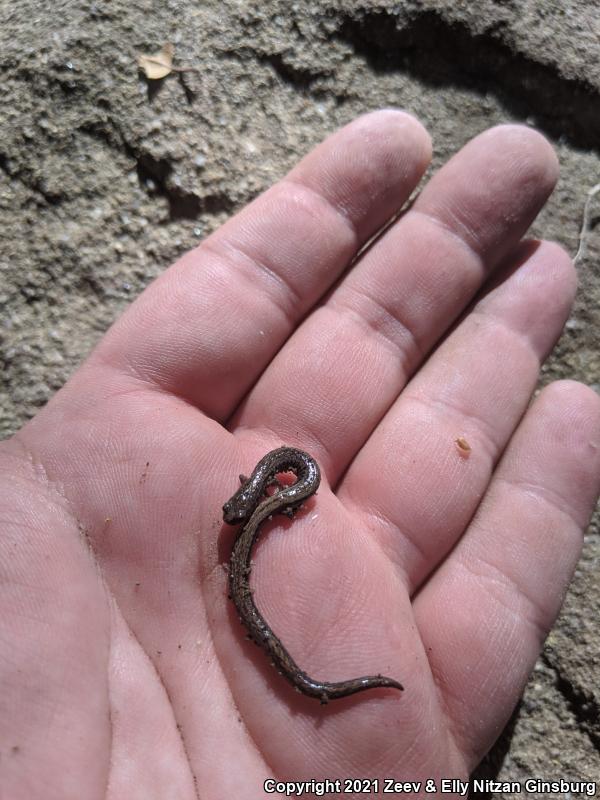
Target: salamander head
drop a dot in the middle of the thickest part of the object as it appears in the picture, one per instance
(238, 508)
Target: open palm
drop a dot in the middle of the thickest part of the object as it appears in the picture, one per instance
(123, 667)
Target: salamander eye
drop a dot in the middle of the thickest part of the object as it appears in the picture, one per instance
(228, 512)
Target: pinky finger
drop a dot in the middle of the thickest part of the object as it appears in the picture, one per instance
(485, 613)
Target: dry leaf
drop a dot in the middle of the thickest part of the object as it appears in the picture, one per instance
(159, 65)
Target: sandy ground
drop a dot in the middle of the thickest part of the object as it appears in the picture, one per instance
(103, 183)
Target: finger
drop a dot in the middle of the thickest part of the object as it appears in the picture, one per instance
(485, 613)
(342, 370)
(207, 327)
(411, 484)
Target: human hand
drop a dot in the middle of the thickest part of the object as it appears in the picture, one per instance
(123, 667)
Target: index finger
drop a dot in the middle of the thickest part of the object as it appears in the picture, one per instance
(210, 324)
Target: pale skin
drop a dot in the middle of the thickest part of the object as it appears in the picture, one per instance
(124, 671)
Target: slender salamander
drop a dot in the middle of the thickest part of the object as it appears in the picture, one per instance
(251, 505)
